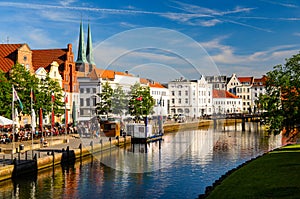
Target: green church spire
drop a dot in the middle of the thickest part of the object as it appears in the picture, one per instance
(81, 57)
(89, 47)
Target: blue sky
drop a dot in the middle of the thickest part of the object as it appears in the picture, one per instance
(242, 37)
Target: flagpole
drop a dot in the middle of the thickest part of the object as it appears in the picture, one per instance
(66, 128)
(13, 118)
(52, 117)
(32, 128)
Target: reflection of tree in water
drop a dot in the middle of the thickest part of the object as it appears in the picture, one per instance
(221, 145)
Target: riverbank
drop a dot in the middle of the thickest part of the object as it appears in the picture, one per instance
(272, 175)
(62, 150)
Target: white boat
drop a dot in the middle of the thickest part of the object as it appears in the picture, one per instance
(141, 133)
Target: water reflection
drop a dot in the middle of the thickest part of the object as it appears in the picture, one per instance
(183, 164)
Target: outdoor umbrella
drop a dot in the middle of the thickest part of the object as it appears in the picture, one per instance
(74, 114)
(5, 121)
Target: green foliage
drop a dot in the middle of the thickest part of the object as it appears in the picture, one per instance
(119, 101)
(5, 96)
(282, 99)
(23, 82)
(43, 96)
(104, 107)
(141, 102)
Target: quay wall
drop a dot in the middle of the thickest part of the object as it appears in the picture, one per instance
(67, 156)
(54, 158)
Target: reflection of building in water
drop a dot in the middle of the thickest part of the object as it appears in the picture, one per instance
(235, 144)
(202, 145)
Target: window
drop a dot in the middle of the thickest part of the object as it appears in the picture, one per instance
(81, 90)
(173, 100)
(81, 101)
(88, 102)
(173, 93)
(88, 90)
(186, 93)
(25, 58)
(186, 100)
(179, 93)
(179, 101)
(94, 90)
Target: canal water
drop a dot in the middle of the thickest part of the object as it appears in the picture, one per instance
(180, 166)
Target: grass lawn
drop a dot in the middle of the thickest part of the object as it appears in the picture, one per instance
(275, 175)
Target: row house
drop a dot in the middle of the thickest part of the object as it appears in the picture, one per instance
(225, 102)
(190, 97)
(248, 89)
(58, 63)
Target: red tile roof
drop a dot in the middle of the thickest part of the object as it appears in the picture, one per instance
(222, 94)
(156, 85)
(8, 56)
(44, 58)
(245, 79)
(260, 81)
(109, 74)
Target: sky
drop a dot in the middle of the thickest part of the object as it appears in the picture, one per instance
(163, 40)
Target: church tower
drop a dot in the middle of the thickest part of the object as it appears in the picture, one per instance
(81, 63)
(89, 50)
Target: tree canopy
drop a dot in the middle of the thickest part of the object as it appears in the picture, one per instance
(282, 99)
(24, 82)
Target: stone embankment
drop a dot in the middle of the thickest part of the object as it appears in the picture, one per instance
(61, 153)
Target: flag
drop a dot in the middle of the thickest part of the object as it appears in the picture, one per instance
(16, 98)
(32, 95)
(33, 119)
(41, 119)
(66, 98)
(52, 119)
(139, 98)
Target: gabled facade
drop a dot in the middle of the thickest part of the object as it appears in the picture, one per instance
(59, 63)
(232, 84)
(258, 89)
(243, 91)
(10, 54)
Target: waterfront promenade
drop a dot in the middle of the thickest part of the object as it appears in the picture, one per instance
(31, 156)
(34, 154)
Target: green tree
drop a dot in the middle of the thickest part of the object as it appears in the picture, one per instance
(104, 107)
(23, 81)
(141, 102)
(119, 101)
(43, 96)
(5, 96)
(282, 98)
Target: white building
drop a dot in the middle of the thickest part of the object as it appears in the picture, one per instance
(161, 97)
(258, 88)
(91, 85)
(225, 102)
(190, 97)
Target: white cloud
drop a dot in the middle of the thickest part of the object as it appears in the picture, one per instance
(259, 62)
(39, 37)
(66, 2)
